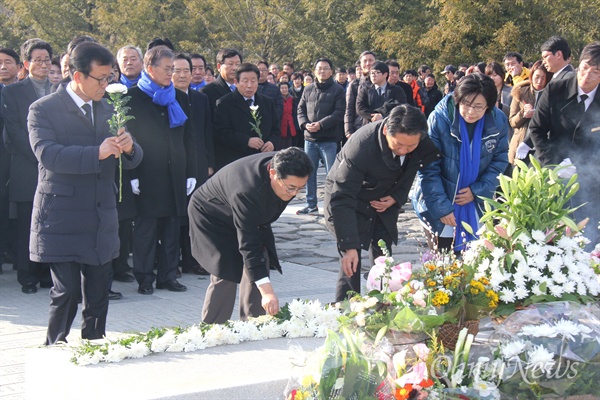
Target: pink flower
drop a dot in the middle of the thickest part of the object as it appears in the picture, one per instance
(501, 231)
(400, 273)
(421, 350)
(417, 374)
(490, 246)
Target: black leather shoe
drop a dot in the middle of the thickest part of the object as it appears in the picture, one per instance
(177, 274)
(172, 286)
(145, 288)
(195, 269)
(123, 277)
(29, 289)
(114, 295)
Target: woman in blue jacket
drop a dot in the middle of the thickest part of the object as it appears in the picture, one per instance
(472, 135)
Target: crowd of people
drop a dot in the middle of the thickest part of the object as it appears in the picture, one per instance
(373, 126)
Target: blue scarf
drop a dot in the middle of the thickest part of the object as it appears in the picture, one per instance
(197, 86)
(163, 96)
(129, 82)
(470, 154)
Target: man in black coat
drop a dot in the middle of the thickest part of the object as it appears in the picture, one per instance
(234, 135)
(353, 121)
(230, 225)
(268, 89)
(565, 130)
(74, 223)
(369, 183)
(16, 99)
(166, 175)
(556, 56)
(375, 102)
(228, 61)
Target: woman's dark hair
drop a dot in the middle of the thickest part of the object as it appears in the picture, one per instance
(291, 162)
(297, 75)
(495, 67)
(481, 67)
(208, 67)
(473, 85)
(56, 61)
(407, 120)
(86, 53)
(540, 65)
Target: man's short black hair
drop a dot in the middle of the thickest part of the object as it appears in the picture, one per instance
(34, 44)
(514, 54)
(393, 63)
(77, 40)
(352, 70)
(365, 53)
(556, 43)
(381, 67)
(591, 54)
(423, 68)
(11, 53)
(297, 75)
(473, 85)
(289, 64)
(158, 41)
(341, 70)
(323, 59)
(266, 64)
(183, 56)
(410, 72)
(87, 53)
(407, 120)
(291, 162)
(228, 53)
(200, 56)
(246, 67)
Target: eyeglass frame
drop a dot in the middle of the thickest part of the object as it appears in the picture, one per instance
(40, 61)
(106, 79)
(289, 190)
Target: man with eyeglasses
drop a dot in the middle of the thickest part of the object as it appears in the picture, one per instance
(166, 176)
(321, 117)
(565, 130)
(16, 99)
(230, 226)
(75, 222)
(375, 102)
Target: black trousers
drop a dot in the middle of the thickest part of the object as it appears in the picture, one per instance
(147, 232)
(28, 272)
(352, 283)
(71, 280)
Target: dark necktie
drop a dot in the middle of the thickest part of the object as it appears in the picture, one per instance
(249, 102)
(88, 112)
(380, 91)
(583, 98)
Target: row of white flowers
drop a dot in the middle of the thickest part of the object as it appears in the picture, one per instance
(302, 319)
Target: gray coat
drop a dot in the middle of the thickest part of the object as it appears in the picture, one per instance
(74, 212)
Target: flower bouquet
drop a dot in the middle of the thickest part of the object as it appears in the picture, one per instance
(529, 246)
(550, 350)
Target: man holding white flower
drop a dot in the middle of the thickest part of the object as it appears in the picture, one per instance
(245, 121)
(74, 223)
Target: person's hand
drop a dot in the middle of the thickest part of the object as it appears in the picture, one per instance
(269, 300)
(566, 169)
(255, 143)
(464, 196)
(350, 262)
(211, 171)
(135, 186)
(267, 147)
(383, 204)
(528, 110)
(313, 127)
(376, 117)
(522, 151)
(190, 184)
(109, 147)
(449, 219)
(124, 141)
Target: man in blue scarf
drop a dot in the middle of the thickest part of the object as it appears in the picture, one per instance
(166, 175)
(130, 63)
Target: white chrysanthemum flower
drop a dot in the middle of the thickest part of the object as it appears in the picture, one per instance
(116, 353)
(538, 236)
(538, 260)
(555, 262)
(272, 330)
(116, 88)
(567, 329)
(512, 349)
(521, 292)
(486, 389)
(533, 249)
(566, 243)
(543, 330)
(160, 344)
(524, 238)
(559, 277)
(507, 296)
(370, 302)
(296, 308)
(90, 358)
(139, 350)
(556, 290)
(360, 319)
(534, 274)
(498, 253)
(540, 359)
(176, 347)
(536, 290)
(581, 289)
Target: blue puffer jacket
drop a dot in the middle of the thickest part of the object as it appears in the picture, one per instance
(436, 187)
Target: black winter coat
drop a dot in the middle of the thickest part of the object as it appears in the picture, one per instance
(323, 103)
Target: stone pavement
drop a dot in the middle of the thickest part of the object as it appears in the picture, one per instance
(310, 263)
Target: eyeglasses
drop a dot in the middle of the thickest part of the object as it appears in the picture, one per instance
(593, 71)
(477, 108)
(288, 189)
(323, 69)
(103, 81)
(168, 70)
(178, 71)
(40, 61)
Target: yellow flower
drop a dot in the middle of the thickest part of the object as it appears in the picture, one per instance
(430, 267)
(484, 280)
(307, 381)
(440, 298)
(430, 283)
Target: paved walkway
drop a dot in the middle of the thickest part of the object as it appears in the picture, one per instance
(310, 264)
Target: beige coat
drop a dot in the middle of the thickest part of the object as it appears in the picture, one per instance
(522, 94)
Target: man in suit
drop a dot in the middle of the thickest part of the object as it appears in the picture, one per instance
(230, 217)
(556, 56)
(228, 60)
(9, 66)
(130, 63)
(165, 176)
(353, 121)
(394, 79)
(234, 135)
(375, 102)
(201, 127)
(16, 99)
(369, 182)
(75, 223)
(565, 130)
(268, 89)
(198, 71)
